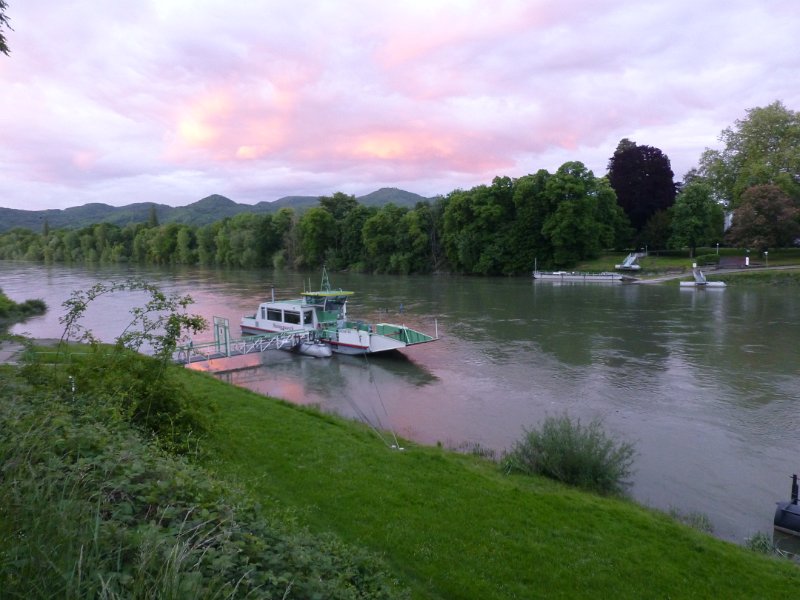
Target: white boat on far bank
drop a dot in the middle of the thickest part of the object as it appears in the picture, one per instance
(578, 276)
(700, 281)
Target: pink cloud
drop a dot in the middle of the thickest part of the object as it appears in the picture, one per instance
(175, 99)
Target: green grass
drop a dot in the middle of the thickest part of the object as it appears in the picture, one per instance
(90, 508)
(454, 526)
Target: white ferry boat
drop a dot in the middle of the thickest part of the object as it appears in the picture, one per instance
(323, 315)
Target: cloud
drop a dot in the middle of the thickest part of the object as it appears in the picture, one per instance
(172, 100)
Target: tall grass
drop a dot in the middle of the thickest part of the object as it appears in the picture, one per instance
(91, 509)
(568, 451)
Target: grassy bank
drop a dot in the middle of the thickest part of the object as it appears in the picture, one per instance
(455, 526)
(292, 503)
(11, 312)
(91, 506)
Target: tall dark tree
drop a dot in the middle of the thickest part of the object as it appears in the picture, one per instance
(3, 23)
(642, 177)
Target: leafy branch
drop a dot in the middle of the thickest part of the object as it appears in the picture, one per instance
(158, 325)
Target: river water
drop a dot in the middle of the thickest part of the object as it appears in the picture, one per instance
(704, 383)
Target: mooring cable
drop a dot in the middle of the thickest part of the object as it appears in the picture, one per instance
(380, 398)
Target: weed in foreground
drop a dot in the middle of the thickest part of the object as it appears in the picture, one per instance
(568, 451)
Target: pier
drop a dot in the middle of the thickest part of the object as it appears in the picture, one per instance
(225, 346)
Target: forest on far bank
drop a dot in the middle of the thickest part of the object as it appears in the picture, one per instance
(556, 219)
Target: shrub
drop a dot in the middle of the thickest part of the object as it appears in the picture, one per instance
(707, 259)
(695, 520)
(580, 455)
(760, 542)
(89, 509)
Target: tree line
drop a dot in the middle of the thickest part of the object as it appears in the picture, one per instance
(557, 219)
(500, 228)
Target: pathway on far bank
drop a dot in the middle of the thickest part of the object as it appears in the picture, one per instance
(718, 272)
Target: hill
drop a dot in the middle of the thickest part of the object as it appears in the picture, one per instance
(207, 210)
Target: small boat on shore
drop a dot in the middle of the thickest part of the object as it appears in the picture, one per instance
(321, 319)
(578, 276)
(700, 281)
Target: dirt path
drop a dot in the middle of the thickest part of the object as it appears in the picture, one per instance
(9, 352)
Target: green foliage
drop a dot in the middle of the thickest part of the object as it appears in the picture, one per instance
(765, 218)
(455, 526)
(3, 23)
(697, 219)
(11, 312)
(695, 520)
(585, 219)
(763, 148)
(580, 455)
(760, 542)
(140, 388)
(317, 232)
(707, 259)
(90, 510)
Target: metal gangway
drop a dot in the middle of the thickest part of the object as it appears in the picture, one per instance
(629, 264)
(224, 346)
(699, 277)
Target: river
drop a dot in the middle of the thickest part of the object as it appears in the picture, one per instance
(704, 383)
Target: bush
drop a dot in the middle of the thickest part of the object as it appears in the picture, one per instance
(580, 455)
(707, 259)
(88, 509)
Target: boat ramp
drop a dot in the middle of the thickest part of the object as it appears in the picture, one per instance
(225, 346)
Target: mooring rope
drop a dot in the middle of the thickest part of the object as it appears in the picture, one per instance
(380, 398)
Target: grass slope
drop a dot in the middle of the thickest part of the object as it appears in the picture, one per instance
(454, 526)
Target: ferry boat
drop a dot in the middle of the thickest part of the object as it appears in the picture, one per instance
(322, 316)
(577, 276)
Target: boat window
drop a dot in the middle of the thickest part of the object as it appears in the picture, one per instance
(308, 317)
(274, 315)
(263, 312)
(291, 317)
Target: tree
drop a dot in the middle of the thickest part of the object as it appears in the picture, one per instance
(317, 229)
(696, 218)
(763, 148)
(657, 231)
(477, 227)
(380, 235)
(643, 180)
(572, 228)
(765, 218)
(4, 23)
(340, 205)
(152, 217)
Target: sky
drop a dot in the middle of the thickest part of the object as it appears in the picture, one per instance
(170, 101)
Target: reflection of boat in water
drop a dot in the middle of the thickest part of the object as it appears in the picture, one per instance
(700, 281)
(578, 276)
(321, 317)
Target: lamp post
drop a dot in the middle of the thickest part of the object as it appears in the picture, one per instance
(717, 248)
(766, 257)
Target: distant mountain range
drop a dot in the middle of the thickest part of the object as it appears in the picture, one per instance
(209, 209)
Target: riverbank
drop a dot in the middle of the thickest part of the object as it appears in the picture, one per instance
(454, 526)
(448, 525)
